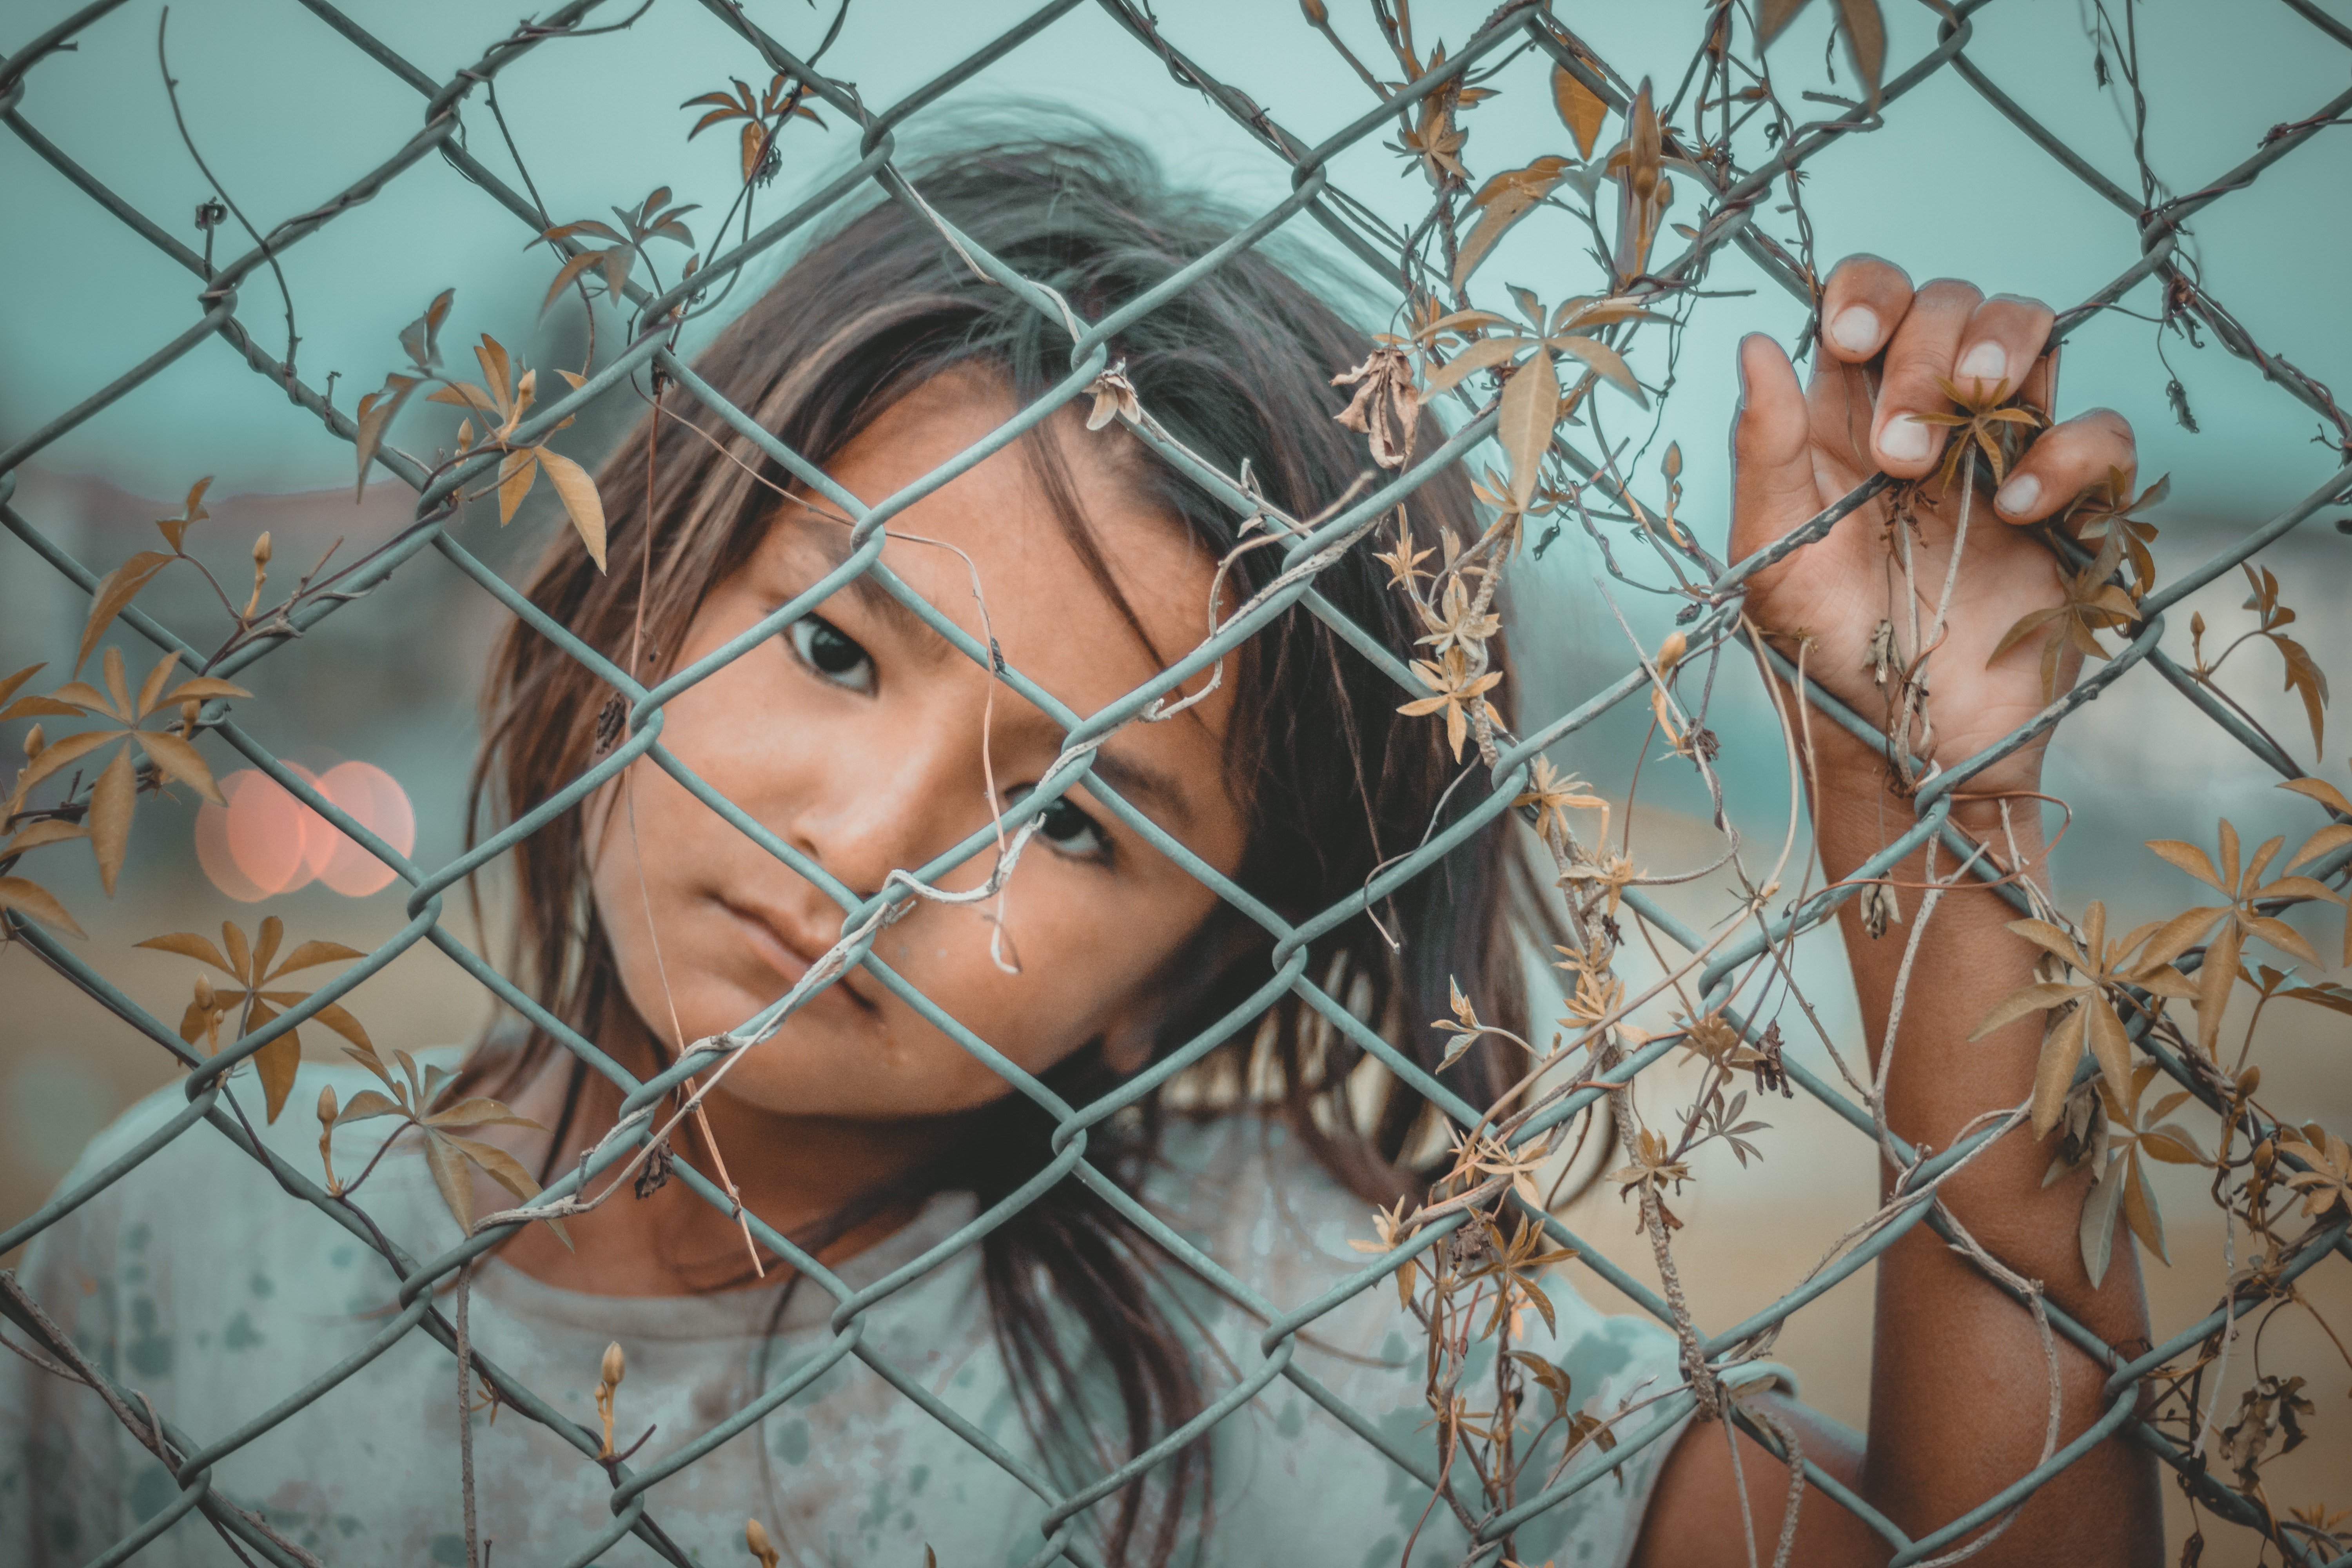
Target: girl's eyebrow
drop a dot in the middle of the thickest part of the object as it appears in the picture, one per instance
(833, 553)
(1139, 782)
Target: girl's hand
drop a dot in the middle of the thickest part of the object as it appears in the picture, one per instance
(1885, 349)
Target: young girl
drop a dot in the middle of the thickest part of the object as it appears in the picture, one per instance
(957, 1405)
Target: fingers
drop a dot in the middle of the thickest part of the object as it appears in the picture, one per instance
(2067, 459)
(1771, 449)
(1861, 302)
(1919, 360)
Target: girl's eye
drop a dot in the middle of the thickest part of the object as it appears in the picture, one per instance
(1068, 828)
(825, 650)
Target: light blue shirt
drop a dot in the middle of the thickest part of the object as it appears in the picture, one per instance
(197, 1282)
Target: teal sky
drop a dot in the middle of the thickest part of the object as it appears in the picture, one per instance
(288, 112)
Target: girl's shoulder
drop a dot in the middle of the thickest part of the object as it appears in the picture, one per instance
(173, 1196)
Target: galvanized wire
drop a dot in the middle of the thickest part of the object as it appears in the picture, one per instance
(1730, 200)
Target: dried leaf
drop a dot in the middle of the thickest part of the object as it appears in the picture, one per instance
(112, 801)
(1483, 355)
(179, 760)
(114, 592)
(61, 751)
(577, 490)
(516, 470)
(311, 954)
(1607, 361)
(275, 1062)
(1502, 201)
(449, 1167)
(1580, 109)
(188, 944)
(368, 1103)
(2320, 790)
(30, 899)
(1531, 405)
(2101, 1206)
(47, 831)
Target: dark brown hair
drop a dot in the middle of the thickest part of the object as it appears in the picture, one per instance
(1335, 783)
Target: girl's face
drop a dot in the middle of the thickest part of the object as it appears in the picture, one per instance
(857, 736)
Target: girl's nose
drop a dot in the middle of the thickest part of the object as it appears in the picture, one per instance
(890, 807)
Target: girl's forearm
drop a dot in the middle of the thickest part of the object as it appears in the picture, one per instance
(1960, 1377)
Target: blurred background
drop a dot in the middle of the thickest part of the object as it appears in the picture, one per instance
(380, 700)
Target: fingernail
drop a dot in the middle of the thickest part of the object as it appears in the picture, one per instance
(1855, 329)
(1905, 440)
(1986, 361)
(2019, 495)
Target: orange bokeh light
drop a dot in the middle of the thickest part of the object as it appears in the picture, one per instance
(266, 842)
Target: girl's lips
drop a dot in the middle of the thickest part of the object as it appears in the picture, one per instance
(786, 949)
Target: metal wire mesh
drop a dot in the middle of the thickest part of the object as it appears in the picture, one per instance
(1732, 195)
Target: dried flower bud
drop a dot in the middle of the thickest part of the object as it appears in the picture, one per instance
(261, 551)
(2266, 1152)
(34, 741)
(1670, 652)
(755, 1536)
(2247, 1081)
(327, 1104)
(1316, 14)
(203, 990)
(614, 1365)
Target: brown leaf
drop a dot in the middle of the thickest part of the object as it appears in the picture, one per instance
(240, 954)
(567, 275)
(30, 897)
(515, 471)
(335, 1017)
(2101, 1205)
(1502, 201)
(177, 758)
(1530, 403)
(152, 689)
(58, 752)
(265, 946)
(2191, 859)
(2053, 1075)
(114, 591)
(1774, 15)
(376, 412)
(448, 1165)
(577, 490)
(2109, 1043)
(2306, 679)
(1483, 355)
(8, 684)
(1865, 40)
(112, 801)
(192, 510)
(2140, 1212)
(311, 954)
(368, 1103)
(2020, 1003)
(1607, 361)
(35, 834)
(2320, 790)
(1580, 109)
(188, 944)
(275, 1062)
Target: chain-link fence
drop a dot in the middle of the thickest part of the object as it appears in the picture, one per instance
(2144, 1389)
